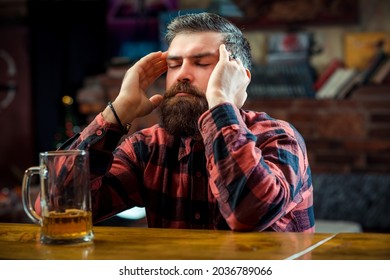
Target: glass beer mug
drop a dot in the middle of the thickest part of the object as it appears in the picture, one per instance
(65, 213)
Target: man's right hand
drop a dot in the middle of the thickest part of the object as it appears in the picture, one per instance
(132, 101)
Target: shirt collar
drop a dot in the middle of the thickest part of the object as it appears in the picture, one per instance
(188, 144)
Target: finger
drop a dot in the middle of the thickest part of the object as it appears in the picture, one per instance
(151, 57)
(239, 62)
(156, 69)
(229, 54)
(152, 71)
(151, 62)
(223, 53)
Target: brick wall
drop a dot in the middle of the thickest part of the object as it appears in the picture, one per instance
(342, 136)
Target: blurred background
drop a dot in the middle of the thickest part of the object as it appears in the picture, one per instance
(322, 65)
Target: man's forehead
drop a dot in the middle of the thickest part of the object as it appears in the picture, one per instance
(195, 44)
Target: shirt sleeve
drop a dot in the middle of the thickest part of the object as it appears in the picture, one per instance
(256, 173)
(101, 139)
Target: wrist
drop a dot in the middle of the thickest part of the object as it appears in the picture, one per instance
(111, 115)
(215, 98)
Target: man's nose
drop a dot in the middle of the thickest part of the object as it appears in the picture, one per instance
(185, 74)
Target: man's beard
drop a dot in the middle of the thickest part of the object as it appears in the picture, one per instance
(180, 114)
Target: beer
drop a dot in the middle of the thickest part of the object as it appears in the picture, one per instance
(71, 224)
(65, 216)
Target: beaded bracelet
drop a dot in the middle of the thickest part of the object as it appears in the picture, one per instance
(125, 127)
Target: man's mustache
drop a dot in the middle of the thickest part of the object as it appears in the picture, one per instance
(185, 87)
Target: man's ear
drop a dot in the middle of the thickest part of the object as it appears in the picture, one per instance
(248, 73)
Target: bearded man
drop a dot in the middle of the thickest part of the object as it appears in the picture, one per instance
(208, 164)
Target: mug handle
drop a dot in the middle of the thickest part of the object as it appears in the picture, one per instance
(26, 198)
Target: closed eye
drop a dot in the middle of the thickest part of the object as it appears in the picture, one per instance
(173, 66)
(203, 64)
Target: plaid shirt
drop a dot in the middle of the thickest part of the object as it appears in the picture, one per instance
(250, 173)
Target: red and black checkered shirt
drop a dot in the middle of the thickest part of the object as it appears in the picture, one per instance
(250, 173)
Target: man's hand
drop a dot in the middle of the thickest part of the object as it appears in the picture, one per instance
(132, 101)
(228, 81)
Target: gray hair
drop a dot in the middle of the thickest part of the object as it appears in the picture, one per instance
(234, 40)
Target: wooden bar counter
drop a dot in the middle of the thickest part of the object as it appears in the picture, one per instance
(356, 246)
(21, 241)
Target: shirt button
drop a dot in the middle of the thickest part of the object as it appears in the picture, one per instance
(198, 174)
(99, 132)
(197, 216)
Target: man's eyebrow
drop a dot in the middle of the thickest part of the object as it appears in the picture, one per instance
(174, 57)
(195, 56)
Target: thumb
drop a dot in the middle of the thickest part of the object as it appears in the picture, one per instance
(156, 100)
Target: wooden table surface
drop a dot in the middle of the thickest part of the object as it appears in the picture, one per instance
(21, 241)
(356, 246)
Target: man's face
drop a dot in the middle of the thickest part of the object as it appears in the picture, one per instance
(191, 60)
(192, 57)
